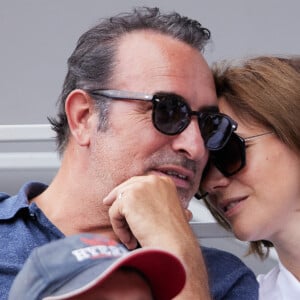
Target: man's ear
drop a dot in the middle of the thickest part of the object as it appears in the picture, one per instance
(79, 111)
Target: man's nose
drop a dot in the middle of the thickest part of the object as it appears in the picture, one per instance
(190, 142)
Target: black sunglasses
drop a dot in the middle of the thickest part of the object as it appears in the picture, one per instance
(171, 115)
(232, 157)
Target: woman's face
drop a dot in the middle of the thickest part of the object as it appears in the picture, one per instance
(262, 201)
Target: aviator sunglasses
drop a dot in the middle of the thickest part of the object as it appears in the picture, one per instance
(171, 115)
(232, 157)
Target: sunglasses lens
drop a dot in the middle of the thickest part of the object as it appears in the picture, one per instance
(231, 158)
(170, 114)
(215, 130)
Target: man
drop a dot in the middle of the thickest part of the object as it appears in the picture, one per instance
(137, 116)
(90, 266)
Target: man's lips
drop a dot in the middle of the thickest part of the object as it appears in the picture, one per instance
(181, 176)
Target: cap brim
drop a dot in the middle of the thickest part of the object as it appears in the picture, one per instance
(164, 272)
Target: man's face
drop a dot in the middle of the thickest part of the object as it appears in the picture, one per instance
(149, 62)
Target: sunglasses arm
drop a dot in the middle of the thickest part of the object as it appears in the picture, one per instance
(115, 94)
(198, 196)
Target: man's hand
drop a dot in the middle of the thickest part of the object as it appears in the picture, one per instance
(144, 208)
(147, 210)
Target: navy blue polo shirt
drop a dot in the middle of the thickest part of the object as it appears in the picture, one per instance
(24, 226)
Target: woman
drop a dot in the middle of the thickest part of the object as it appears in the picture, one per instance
(253, 182)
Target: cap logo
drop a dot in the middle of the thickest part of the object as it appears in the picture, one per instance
(106, 248)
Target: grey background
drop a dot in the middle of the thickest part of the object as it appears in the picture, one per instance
(37, 37)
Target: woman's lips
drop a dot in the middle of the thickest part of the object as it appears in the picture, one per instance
(231, 206)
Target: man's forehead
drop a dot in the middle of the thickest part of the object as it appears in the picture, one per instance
(147, 44)
(149, 62)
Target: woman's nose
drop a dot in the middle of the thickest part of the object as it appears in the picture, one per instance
(213, 179)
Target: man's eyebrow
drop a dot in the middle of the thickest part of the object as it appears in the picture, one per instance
(210, 108)
(205, 108)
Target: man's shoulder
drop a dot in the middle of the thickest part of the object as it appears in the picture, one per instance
(214, 257)
(11, 205)
(8, 206)
(229, 277)
(3, 196)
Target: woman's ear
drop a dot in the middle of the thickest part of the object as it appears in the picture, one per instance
(79, 111)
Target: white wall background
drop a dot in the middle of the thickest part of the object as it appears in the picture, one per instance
(37, 37)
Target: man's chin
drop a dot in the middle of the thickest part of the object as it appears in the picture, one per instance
(184, 198)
